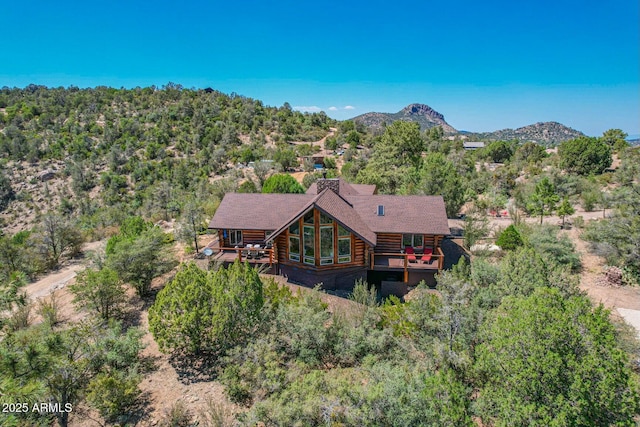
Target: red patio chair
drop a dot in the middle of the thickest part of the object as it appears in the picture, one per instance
(411, 257)
(427, 255)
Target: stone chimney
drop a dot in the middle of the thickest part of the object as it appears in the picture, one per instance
(332, 184)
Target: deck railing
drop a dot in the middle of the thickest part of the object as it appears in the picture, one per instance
(437, 257)
(249, 254)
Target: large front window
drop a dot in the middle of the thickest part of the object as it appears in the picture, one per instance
(317, 239)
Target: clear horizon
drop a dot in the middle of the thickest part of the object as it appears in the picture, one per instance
(483, 66)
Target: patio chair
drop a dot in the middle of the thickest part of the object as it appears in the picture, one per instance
(411, 254)
(258, 251)
(426, 257)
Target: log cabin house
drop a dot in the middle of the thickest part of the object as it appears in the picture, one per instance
(334, 234)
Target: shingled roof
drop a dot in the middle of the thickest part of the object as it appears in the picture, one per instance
(355, 211)
(250, 211)
(402, 214)
(338, 208)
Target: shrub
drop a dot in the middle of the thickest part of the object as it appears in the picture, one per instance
(509, 239)
(114, 394)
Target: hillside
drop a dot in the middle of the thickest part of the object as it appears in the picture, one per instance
(545, 133)
(102, 148)
(105, 196)
(426, 116)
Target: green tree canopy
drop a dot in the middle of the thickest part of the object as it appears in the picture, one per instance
(585, 155)
(207, 311)
(395, 157)
(438, 176)
(282, 183)
(100, 291)
(39, 364)
(615, 138)
(618, 238)
(498, 151)
(548, 360)
(6, 191)
(139, 259)
(565, 208)
(544, 198)
(530, 152)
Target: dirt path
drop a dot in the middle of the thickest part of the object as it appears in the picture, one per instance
(318, 143)
(50, 283)
(62, 277)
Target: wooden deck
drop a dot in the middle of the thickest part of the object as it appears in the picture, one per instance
(394, 263)
(229, 256)
(390, 261)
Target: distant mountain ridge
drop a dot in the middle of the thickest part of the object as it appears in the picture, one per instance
(422, 114)
(545, 133)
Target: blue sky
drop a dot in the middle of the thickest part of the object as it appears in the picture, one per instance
(484, 65)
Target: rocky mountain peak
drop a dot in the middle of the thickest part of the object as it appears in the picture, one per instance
(421, 110)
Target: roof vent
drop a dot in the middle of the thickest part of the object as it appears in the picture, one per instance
(380, 210)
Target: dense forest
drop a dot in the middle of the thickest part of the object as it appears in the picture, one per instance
(507, 337)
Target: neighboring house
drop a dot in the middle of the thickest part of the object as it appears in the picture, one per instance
(335, 233)
(316, 159)
(471, 145)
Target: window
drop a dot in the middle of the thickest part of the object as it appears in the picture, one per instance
(309, 244)
(325, 219)
(380, 210)
(332, 240)
(294, 228)
(413, 240)
(308, 217)
(294, 241)
(343, 232)
(344, 249)
(235, 237)
(294, 248)
(326, 245)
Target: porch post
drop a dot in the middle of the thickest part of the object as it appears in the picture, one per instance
(406, 271)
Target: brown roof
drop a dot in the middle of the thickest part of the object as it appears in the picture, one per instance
(358, 213)
(402, 214)
(337, 208)
(347, 189)
(251, 211)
